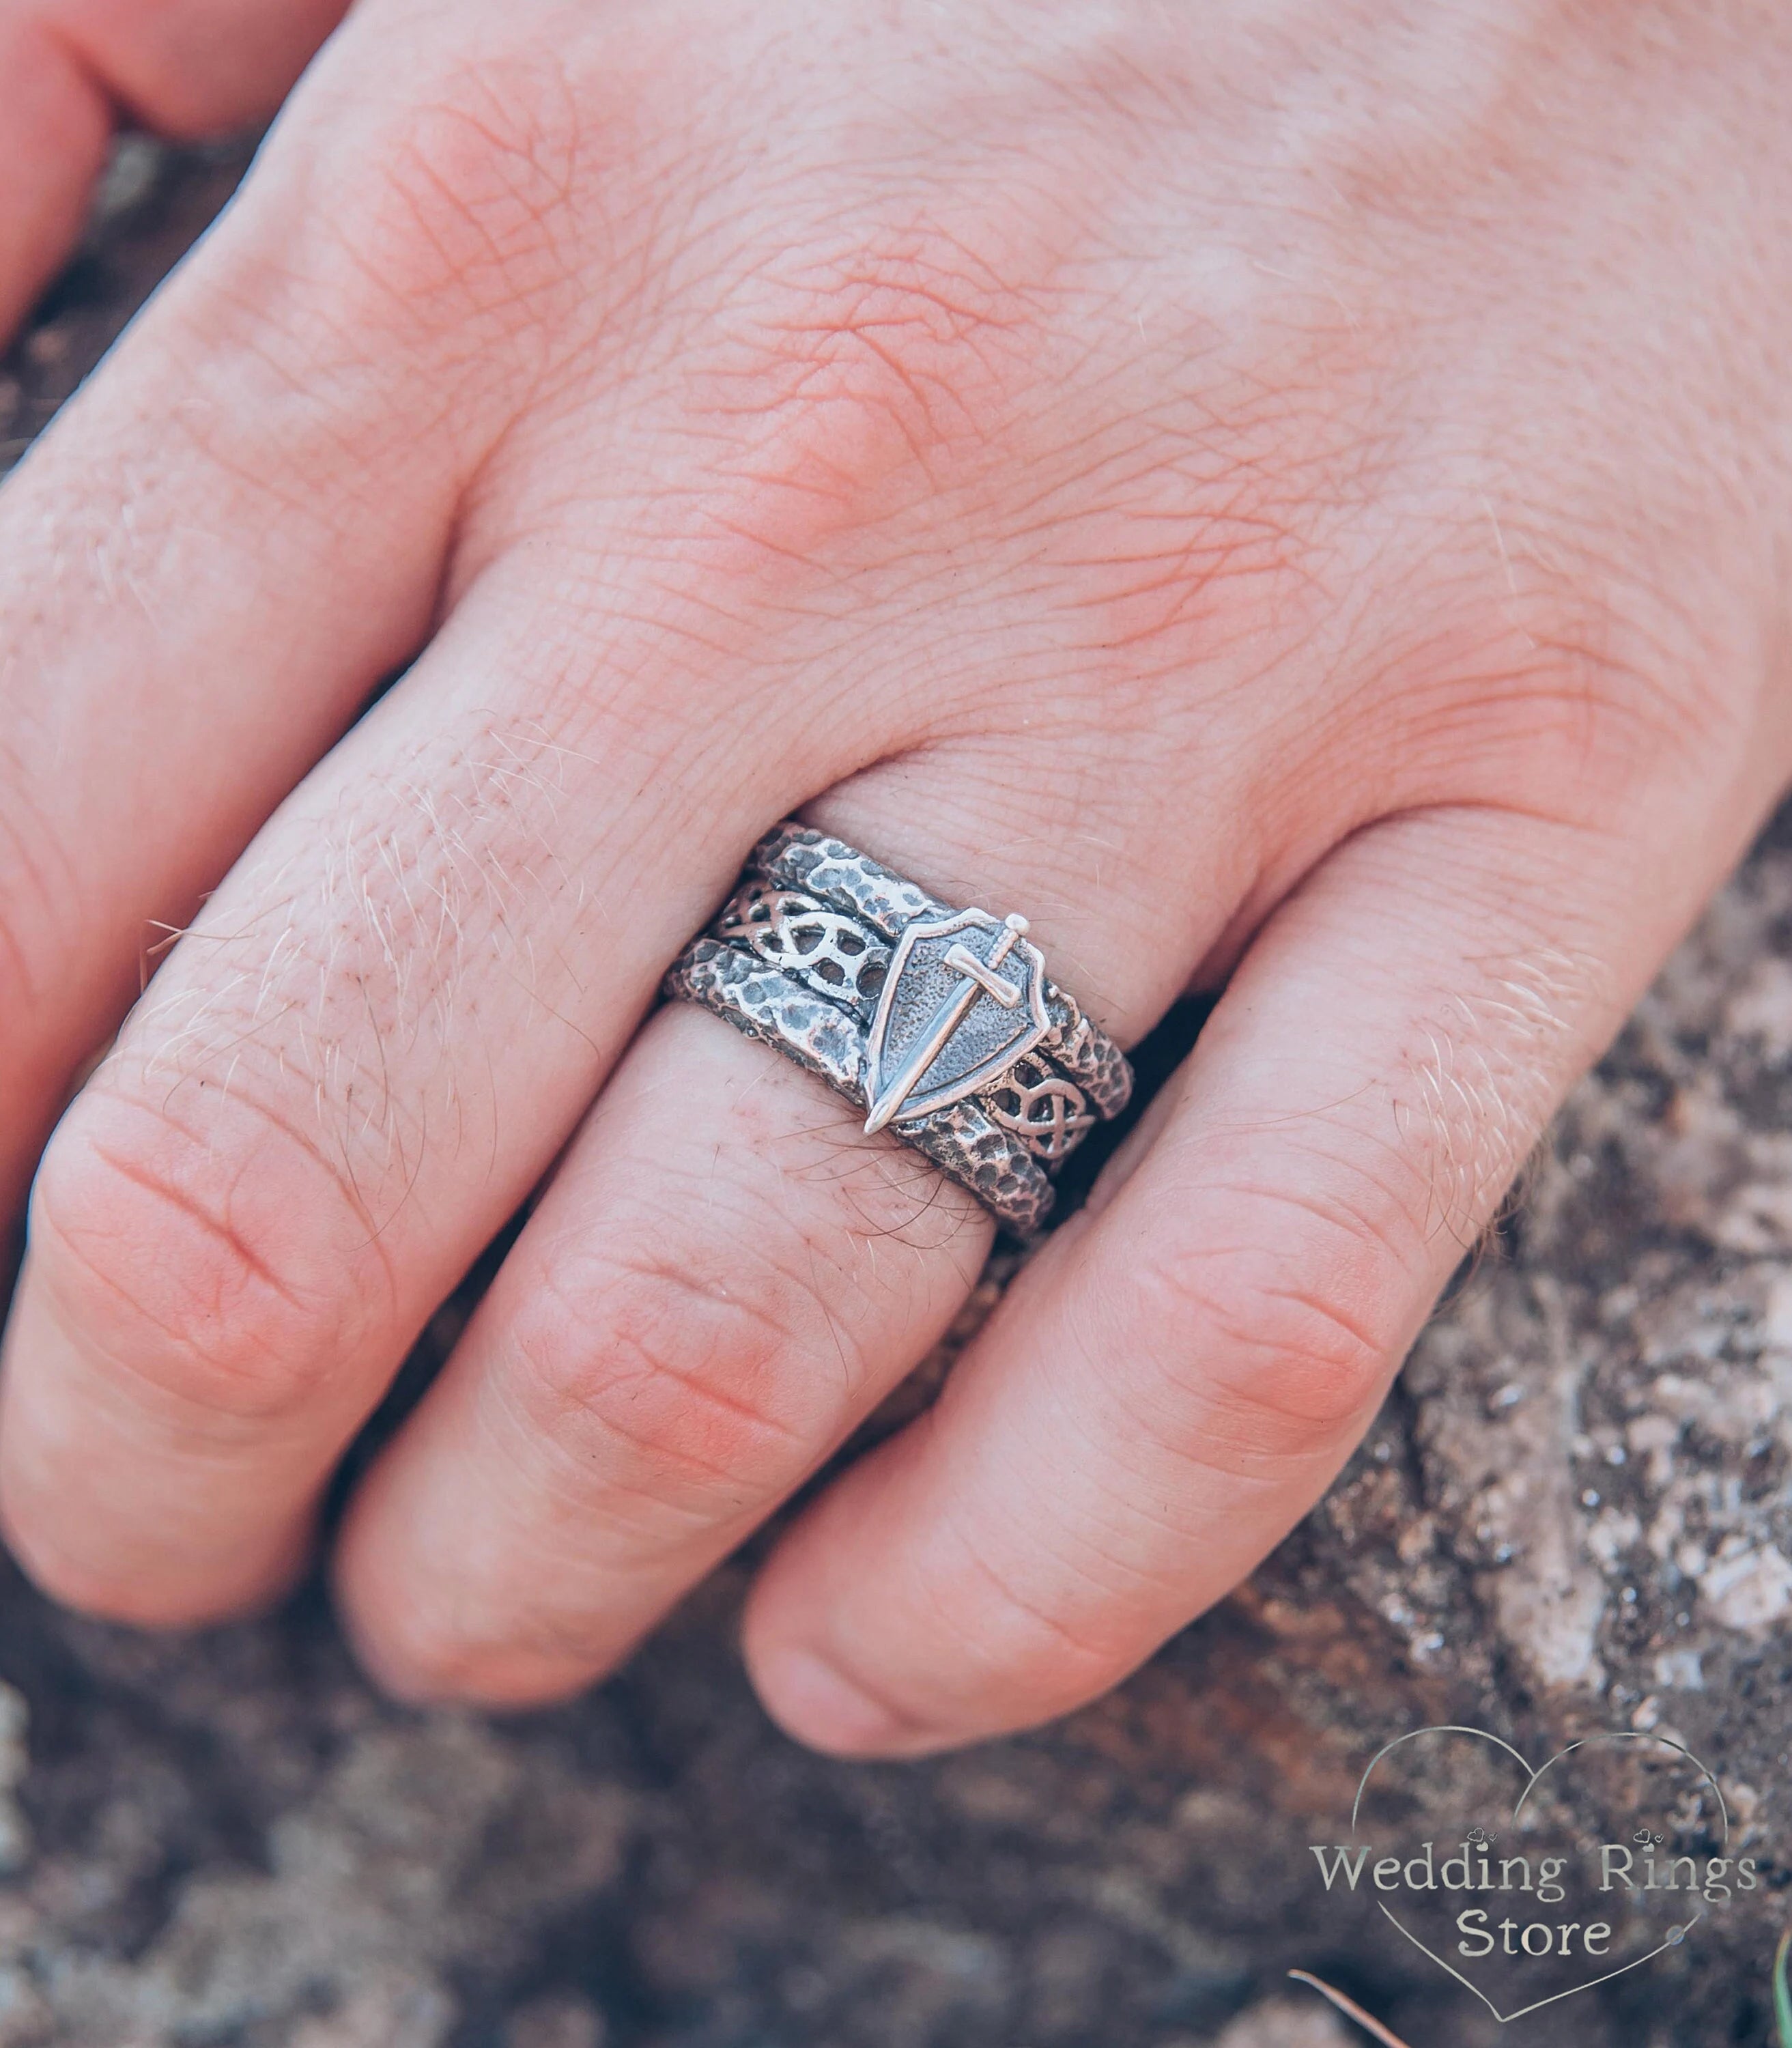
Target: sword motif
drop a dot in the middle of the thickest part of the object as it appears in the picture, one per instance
(979, 977)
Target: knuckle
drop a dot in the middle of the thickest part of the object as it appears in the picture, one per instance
(1569, 680)
(1308, 1365)
(853, 379)
(689, 1368)
(457, 226)
(466, 203)
(1275, 1354)
(899, 384)
(222, 1266)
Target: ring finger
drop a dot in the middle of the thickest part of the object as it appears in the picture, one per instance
(726, 1272)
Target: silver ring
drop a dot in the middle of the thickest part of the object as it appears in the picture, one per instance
(941, 1023)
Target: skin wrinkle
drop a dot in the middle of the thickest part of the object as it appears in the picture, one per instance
(659, 1280)
(1476, 702)
(1206, 431)
(1306, 1388)
(1151, 1506)
(200, 1138)
(1203, 1447)
(1090, 1546)
(1382, 1166)
(467, 221)
(636, 1498)
(974, 1637)
(658, 1273)
(241, 1248)
(236, 1380)
(594, 1309)
(704, 1442)
(850, 421)
(897, 325)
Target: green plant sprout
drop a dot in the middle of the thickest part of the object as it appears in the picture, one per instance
(1783, 1998)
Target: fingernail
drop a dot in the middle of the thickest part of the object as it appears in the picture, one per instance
(815, 1702)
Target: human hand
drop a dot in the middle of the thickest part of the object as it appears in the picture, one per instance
(1300, 502)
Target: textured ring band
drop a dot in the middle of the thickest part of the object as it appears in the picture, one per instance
(939, 1023)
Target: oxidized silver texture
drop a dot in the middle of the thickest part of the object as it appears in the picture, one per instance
(940, 1022)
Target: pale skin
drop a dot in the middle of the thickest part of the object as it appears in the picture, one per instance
(1292, 498)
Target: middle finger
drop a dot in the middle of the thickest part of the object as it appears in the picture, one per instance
(728, 1272)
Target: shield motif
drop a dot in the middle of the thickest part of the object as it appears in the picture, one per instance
(963, 999)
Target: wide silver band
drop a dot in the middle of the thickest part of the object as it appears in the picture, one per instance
(941, 1023)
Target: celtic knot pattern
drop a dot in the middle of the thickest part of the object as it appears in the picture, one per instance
(1046, 1112)
(831, 952)
(941, 1025)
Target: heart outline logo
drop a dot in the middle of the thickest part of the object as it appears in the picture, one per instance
(1534, 1777)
